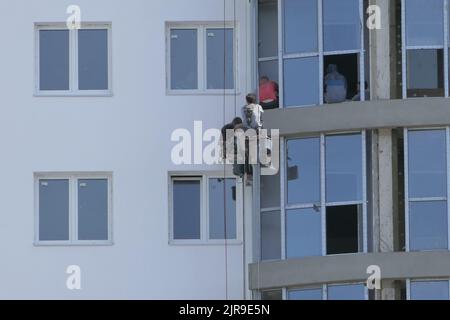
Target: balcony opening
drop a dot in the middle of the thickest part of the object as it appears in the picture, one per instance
(341, 78)
(344, 229)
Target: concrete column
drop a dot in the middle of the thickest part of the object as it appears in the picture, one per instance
(386, 203)
(382, 81)
(380, 51)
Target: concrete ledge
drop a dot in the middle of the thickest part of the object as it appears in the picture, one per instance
(348, 268)
(360, 115)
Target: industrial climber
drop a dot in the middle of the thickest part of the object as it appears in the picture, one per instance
(252, 113)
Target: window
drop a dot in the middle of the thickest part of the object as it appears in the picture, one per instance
(268, 39)
(303, 233)
(424, 48)
(306, 294)
(274, 295)
(427, 192)
(429, 290)
(73, 62)
(271, 235)
(315, 34)
(330, 292)
(73, 209)
(325, 209)
(186, 209)
(203, 209)
(270, 217)
(201, 58)
(347, 292)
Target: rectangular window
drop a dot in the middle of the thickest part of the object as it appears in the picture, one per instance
(222, 209)
(93, 209)
(54, 210)
(344, 168)
(268, 44)
(220, 58)
(303, 180)
(203, 209)
(427, 207)
(301, 77)
(270, 236)
(425, 72)
(424, 48)
(347, 292)
(73, 209)
(342, 25)
(201, 58)
(306, 294)
(184, 59)
(270, 218)
(73, 62)
(303, 233)
(424, 22)
(429, 290)
(344, 229)
(54, 62)
(186, 209)
(300, 26)
(315, 34)
(329, 292)
(93, 59)
(273, 295)
(325, 211)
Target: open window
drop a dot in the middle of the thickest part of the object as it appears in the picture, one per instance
(348, 66)
(331, 34)
(343, 52)
(344, 229)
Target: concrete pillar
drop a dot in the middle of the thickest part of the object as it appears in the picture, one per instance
(382, 81)
(386, 203)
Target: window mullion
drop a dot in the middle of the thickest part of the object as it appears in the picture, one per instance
(362, 80)
(201, 56)
(448, 184)
(321, 55)
(404, 75)
(406, 165)
(323, 194)
(281, 52)
(364, 191)
(72, 209)
(204, 205)
(446, 73)
(283, 187)
(74, 61)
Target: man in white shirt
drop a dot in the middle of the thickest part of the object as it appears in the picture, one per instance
(252, 113)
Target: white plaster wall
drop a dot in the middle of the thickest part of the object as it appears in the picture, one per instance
(127, 134)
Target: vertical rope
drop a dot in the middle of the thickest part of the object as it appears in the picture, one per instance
(224, 166)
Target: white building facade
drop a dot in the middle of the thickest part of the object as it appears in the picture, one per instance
(86, 135)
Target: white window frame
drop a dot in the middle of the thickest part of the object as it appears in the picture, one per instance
(405, 49)
(73, 61)
(320, 53)
(408, 199)
(285, 206)
(408, 284)
(201, 28)
(204, 178)
(73, 179)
